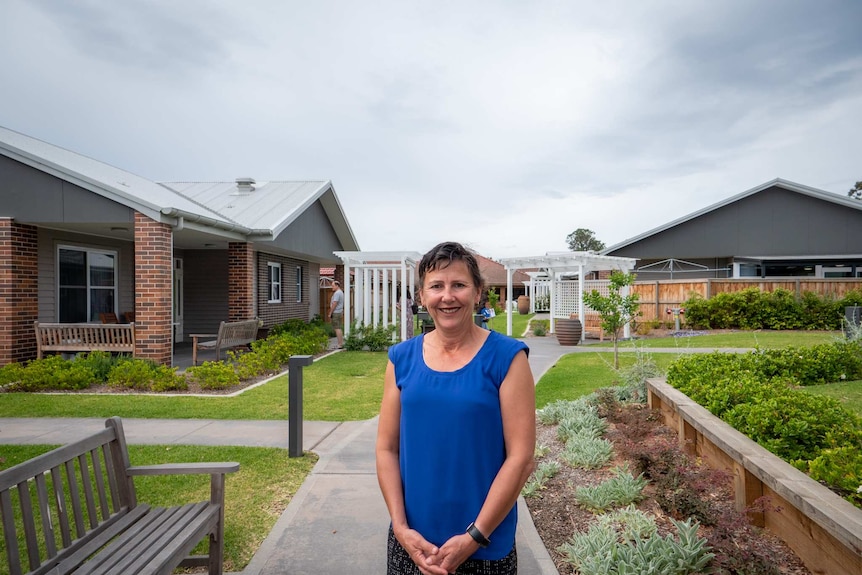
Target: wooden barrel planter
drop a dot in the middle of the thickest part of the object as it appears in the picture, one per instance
(523, 305)
(568, 331)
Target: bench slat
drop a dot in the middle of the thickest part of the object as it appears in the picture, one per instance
(7, 513)
(62, 510)
(75, 500)
(26, 505)
(109, 531)
(45, 513)
(100, 484)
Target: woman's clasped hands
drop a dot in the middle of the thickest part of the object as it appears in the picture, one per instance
(433, 560)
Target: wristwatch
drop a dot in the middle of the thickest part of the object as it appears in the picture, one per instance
(477, 536)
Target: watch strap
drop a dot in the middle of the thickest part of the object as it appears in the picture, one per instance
(477, 536)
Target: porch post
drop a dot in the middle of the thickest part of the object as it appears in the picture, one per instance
(19, 289)
(153, 290)
(240, 282)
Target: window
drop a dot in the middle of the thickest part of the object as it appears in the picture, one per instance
(274, 282)
(298, 283)
(87, 284)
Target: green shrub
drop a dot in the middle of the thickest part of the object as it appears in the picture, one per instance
(144, 375)
(368, 337)
(11, 373)
(100, 362)
(166, 378)
(213, 375)
(780, 309)
(841, 469)
(52, 373)
(796, 426)
(587, 452)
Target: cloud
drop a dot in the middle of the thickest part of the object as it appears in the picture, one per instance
(505, 124)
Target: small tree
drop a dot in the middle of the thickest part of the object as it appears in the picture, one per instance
(856, 191)
(584, 240)
(615, 309)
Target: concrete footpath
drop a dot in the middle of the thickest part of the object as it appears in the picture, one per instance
(337, 521)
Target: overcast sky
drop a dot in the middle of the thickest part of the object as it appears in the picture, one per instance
(504, 125)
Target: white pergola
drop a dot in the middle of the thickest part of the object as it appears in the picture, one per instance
(375, 303)
(557, 264)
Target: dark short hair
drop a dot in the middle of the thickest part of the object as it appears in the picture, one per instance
(443, 254)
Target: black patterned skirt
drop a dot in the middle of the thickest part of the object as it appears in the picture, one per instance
(398, 562)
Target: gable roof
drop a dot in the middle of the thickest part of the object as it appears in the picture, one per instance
(494, 273)
(777, 182)
(220, 207)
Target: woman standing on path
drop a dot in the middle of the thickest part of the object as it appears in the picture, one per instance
(457, 432)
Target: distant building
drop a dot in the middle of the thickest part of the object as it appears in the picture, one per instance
(778, 229)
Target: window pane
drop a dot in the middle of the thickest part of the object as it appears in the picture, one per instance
(73, 268)
(73, 305)
(102, 300)
(101, 270)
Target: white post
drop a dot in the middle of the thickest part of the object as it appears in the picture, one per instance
(347, 297)
(509, 301)
(385, 298)
(357, 297)
(366, 296)
(627, 329)
(403, 299)
(553, 295)
(581, 311)
(375, 299)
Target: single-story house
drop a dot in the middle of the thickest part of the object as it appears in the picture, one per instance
(494, 274)
(777, 229)
(80, 237)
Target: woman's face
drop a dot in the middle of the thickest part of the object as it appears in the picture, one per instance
(450, 295)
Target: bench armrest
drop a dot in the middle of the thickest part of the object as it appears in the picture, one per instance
(203, 335)
(184, 468)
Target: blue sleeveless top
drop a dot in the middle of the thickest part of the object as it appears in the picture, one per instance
(451, 442)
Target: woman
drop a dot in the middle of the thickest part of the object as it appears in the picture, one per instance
(457, 432)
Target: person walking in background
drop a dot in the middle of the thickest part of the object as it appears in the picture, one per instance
(336, 312)
(457, 432)
(487, 313)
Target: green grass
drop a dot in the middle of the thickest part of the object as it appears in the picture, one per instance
(255, 496)
(346, 386)
(849, 393)
(579, 374)
(519, 323)
(738, 339)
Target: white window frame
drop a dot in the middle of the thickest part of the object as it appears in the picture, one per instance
(89, 288)
(274, 281)
(298, 284)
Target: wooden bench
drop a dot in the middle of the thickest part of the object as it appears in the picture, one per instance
(74, 510)
(230, 334)
(75, 337)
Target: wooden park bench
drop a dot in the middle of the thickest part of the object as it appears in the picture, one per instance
(76, 337)
(75, 510)
(230, 334)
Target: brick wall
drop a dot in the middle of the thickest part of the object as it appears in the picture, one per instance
(240, 262)
(289, 308)
(153, 288)
(19, 302)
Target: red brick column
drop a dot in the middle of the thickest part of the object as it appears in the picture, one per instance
(19, 299)
(153, 290)
(240, 261)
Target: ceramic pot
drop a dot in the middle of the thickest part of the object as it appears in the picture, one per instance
(523, 305)
(568, 331)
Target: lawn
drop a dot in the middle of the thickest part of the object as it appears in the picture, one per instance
(346, 386)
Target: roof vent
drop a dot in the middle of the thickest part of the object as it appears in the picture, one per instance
(245, 185)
